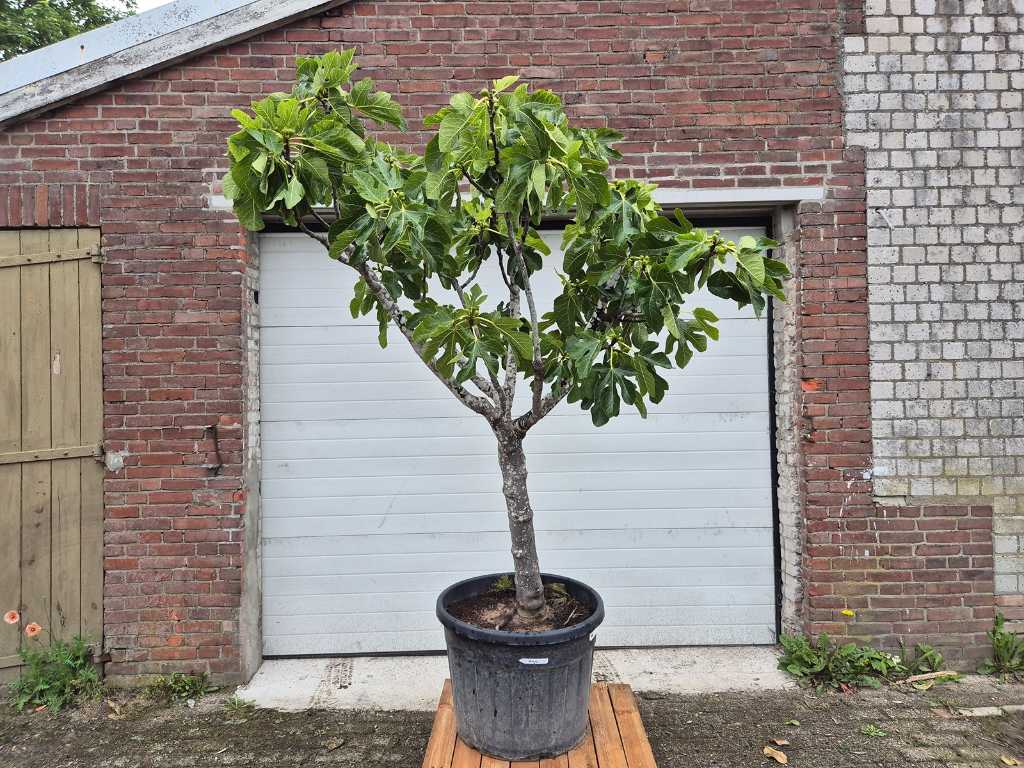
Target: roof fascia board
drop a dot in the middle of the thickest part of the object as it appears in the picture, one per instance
(153, 54)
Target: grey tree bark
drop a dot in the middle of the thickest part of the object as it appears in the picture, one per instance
(512, 460)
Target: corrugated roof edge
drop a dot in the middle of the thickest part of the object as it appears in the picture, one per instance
(36, 82)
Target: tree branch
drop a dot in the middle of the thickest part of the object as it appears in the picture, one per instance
(538, 363)
(386, 301)
(318, 236)
(511, 358)
(531, 417)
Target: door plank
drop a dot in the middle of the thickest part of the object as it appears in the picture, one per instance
(66, 419)
(465, 756)
(606, 733)
(441, 746)
(36, 432)
(585, 755)
(631, 727)
(527, 764)
(493, 762)
(91, 356)
(10, 441)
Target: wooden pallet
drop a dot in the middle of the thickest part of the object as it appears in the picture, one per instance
(615, 738)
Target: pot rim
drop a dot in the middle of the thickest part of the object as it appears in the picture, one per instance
(506, 637)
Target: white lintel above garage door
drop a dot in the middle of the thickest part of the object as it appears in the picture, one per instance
(379, 489)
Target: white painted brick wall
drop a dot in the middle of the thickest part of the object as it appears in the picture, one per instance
(933, 93)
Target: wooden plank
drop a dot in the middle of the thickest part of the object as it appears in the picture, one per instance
(35, 409)
(91, 355)
(66, 420)
(50, 257)
(607, 743)
(441, 746)
(465, 756)
(631, 728)
(10, 440)
(561, 761)
(585, 755)
(11, 660)
(49, 454)
(615, 738)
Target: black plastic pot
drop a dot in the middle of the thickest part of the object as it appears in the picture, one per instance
(520, 696)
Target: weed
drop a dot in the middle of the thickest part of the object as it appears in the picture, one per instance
(926, 659)
(503, 584)
(824, 664)
(55, 676)
(1007, 651)
(873, 730)
(239, 707)
(178, 687)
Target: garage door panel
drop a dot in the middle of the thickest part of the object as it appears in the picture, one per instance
(379, 489)
(361, 375)
(434, 581)
(441, 462)
(540, 482)
(616, 499)
(448, 407)
(387, 392)
(483, 561)
(287, 524)
(541, 447)
(614, 597)
(496, 540)
(561, 424)
(396, 391)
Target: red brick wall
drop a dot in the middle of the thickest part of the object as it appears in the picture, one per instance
(710, 93)
(910, 574)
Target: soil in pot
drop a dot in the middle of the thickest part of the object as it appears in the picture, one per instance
(496, 609)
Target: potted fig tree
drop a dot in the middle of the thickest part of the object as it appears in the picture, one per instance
(419, 229)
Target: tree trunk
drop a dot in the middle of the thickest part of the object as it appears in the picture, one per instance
(529, 589)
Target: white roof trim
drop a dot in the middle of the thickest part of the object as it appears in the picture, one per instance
(726, 196)
(135, 45)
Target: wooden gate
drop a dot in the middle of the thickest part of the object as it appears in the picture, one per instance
(51, 430)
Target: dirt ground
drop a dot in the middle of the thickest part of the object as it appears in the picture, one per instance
(883, 728)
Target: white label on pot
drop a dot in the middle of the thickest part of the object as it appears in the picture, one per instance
(593, 637)
(533, 662)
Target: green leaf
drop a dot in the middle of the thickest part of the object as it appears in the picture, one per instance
(753, 263)
(505, 83)
(376, 105)
(644, 375)
(229, 187)
(369, 187)
(508, 327)
(295, 192)
(668, 313)
(452, 127)
(582, 350)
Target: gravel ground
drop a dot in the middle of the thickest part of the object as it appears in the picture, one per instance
(918, 729)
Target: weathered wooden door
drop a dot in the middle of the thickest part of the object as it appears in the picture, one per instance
(51, 430)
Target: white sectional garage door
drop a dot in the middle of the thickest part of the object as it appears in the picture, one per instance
(379, 489)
